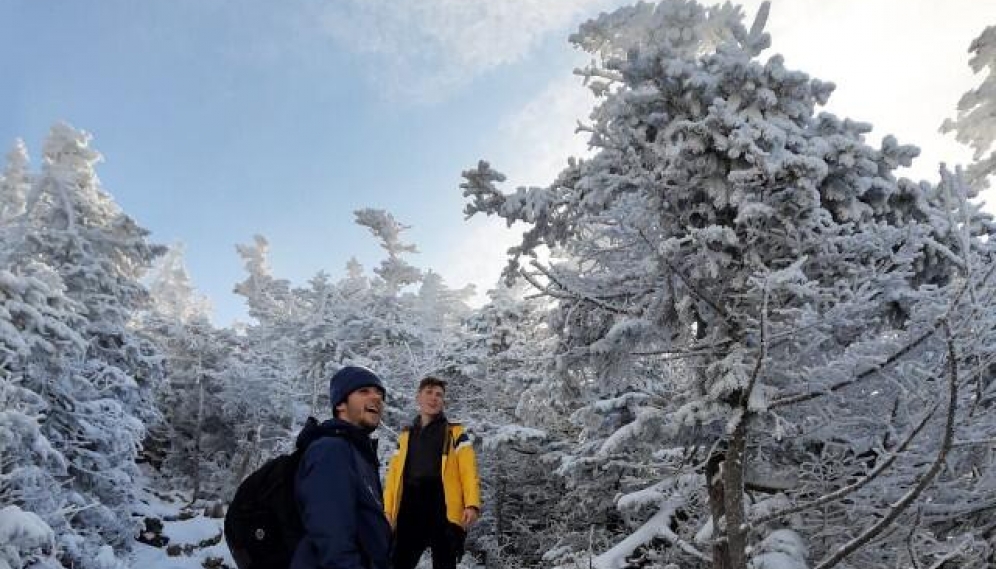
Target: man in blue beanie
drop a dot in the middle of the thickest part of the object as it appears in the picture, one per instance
(338, 486)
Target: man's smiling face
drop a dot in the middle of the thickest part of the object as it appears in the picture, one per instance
(431, 400)
(363, 407)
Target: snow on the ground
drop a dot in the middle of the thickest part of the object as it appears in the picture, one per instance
(196, 530)
(188, 534)
(148, 557)
(192, 531)
(166, 504)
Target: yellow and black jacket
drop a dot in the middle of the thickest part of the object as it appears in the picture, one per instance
(461, 485)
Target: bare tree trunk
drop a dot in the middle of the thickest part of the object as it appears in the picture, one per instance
(733, 482)
(500, 498)
(733, 466)
(717, 506)
(315, 376)
(500, 505)
(247, 459)
(197, 440)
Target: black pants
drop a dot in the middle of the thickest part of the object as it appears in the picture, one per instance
(422, 524)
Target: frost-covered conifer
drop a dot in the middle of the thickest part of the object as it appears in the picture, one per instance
(95, 409)
(14, 183)
(101, 254)
(193, 443)
(395, 271)
(171, 290)
(301, 335)
(504, 351)
(269, 299)
(261, 381)
(439, 304)
(38, 350)
(976, 122)
(754, 309)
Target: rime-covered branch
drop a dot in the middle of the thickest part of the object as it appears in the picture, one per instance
(924, 479)
(843, 492)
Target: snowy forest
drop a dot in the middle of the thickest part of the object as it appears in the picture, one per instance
(733, 336)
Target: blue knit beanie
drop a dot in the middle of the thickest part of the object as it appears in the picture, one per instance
(349, 379)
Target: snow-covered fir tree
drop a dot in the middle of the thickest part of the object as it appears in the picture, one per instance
(96, 405)
(439, 305)
(14, 183)
(767, 335)
(395, 271)
(101, 253)
(171, 290)
(192, 446)
(302, 335)
(38, 350)
(261, 387)
(753, 345)
(505, 350)
(975, 124)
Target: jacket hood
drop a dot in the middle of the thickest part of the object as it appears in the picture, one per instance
(313, 430)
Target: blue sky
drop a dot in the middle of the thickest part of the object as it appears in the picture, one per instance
(220, 119)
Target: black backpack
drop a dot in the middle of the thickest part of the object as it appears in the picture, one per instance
(263, 525)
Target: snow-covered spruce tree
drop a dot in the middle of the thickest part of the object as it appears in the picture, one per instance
(279, 370)
(302, 335)
(194, 442)
(96, 411)
(319, 350)
(14, 183)
(395, 272)
(976, 122)
(261, 391)
(439, 306)
(308, 332)
(38, 348)
(751, 288)
(505, 351)
(269, 299)
(402, 321)
(171, 290)
(387, 333)
(439, 314)
(513, 347)
(72, 224)
(367, 321)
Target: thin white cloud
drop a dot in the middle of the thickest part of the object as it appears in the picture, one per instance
(423, 49)
(479, 256)
(537, 139)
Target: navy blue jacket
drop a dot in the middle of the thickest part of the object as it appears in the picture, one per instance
(339, 496)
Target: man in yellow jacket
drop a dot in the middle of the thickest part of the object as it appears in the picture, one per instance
(432, 495)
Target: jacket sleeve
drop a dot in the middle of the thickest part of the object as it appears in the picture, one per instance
(327, 483)
(392, 485)
(467, 461)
